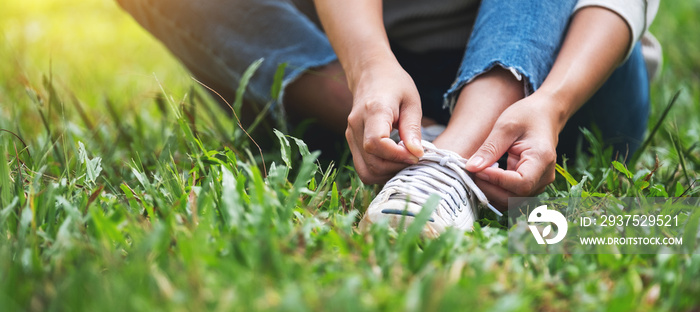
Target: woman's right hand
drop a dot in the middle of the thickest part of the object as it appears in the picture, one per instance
(384, 97)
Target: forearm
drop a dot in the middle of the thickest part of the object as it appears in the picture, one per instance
(356, 32)
(595, 44)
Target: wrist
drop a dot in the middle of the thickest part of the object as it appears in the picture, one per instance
(555, 106)
(367, 63)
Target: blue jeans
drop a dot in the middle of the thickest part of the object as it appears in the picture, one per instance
(217, 40)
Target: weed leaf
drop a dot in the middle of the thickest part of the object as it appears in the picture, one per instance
(277, 82)
(622, 169)
(286, 149)
(93, 166)
(690, 236)
(566, 175)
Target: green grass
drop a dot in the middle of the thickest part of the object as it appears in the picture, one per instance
(120, 191)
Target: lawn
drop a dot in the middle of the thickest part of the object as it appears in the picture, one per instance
(124, 187)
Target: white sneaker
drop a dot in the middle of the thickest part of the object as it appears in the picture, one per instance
(438, 172)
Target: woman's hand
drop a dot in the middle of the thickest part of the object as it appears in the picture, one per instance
(595, 44)
(384, 97)
(528, 131)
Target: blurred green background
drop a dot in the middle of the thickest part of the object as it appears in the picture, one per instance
(60, 57)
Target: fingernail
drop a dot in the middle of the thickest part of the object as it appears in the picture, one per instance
(413, 160)
(416, 142)
(475, 161)
(482, 176)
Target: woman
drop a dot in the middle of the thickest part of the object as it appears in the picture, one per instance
(366, 68)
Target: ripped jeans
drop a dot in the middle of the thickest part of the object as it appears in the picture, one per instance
(218, 40)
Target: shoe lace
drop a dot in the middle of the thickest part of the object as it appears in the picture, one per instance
(438, 170)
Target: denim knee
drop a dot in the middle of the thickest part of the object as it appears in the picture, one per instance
(522, 36)
(220, 39)
(619, 110)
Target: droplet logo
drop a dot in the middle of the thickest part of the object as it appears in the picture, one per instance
(542, 214)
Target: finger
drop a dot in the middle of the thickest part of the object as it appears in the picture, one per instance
(512, 161)
(376, 141)
(368, 177)
(498, 197)
(496, 144)
(524, 181)
(409, 126)
(377, 125)
(371, 169)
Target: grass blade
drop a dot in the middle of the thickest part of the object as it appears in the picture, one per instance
(243, 84)
(5, 181)
(656, 127)
(675, 139)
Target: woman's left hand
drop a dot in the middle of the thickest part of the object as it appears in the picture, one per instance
(528, 131)
(595, 45)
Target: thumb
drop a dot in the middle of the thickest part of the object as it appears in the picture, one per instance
(497, 143)
(410, 129)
